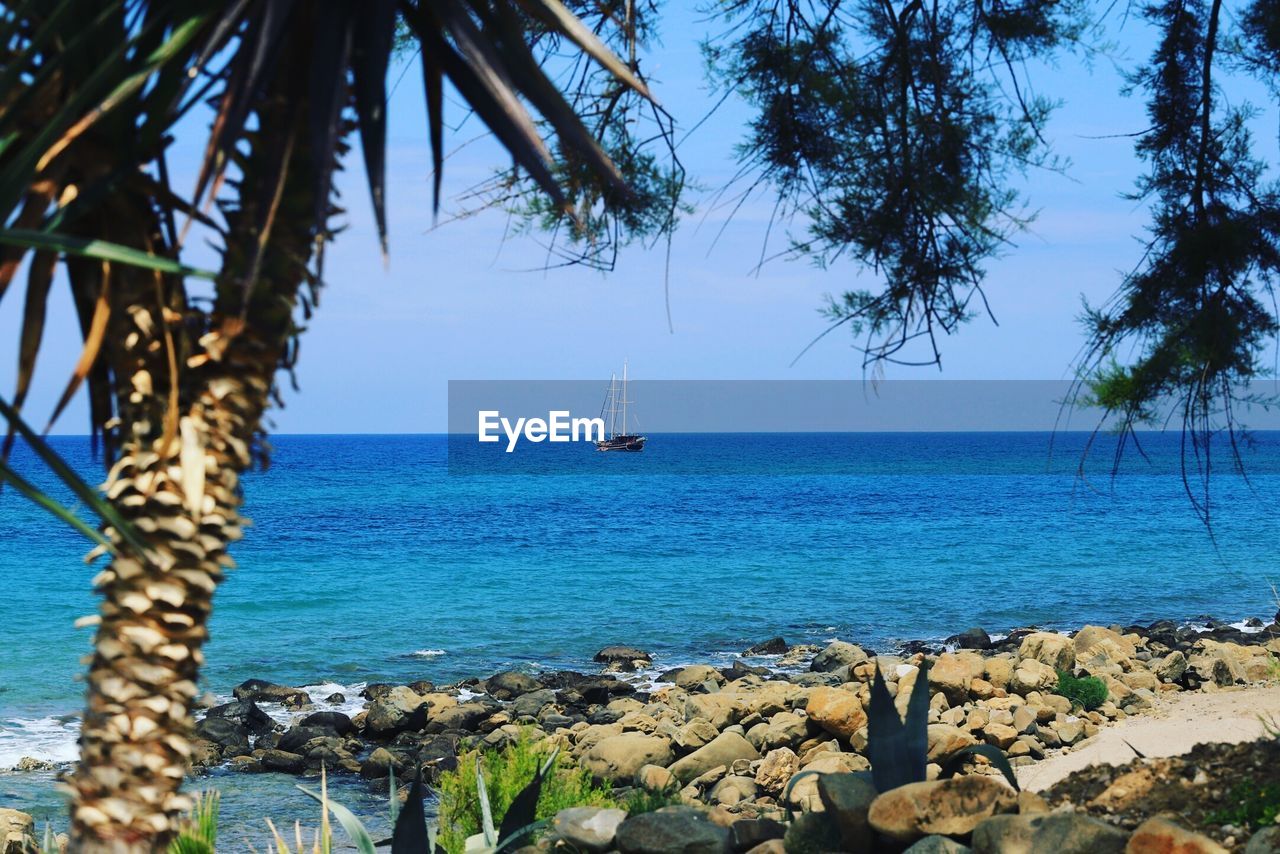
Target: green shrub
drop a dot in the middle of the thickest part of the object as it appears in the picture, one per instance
(641, 800)
(506, 772)
(1254, 806)
(1085, 692)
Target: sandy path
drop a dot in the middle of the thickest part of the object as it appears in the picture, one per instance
(1175, 726)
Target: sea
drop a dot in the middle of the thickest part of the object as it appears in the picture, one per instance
(378, 558)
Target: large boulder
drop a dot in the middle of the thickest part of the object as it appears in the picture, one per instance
(694, 676)
(510, 684)
(336, 722)
(623, 658)
(837, 654)
(244, 712)
(229, 735)
(1057, 651)
(945, 741)
(587, 829)
(1159, 836)
(619, 757)
(724, 749)
(801, 791)
(847, 799)
(773, 646)
(398, 710)
(261, 691)
(1032, 675)
(777, 767)
(954, 672)
(17, 832)
(951, 807)
(460, 718)
(837, 711)
(1060, 832)
(532, 703)
(672, 830)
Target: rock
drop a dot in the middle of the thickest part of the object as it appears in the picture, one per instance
(268, 692)
(784, 730)
(837, 655)
(510, 684)
(953, 673)
(745, 834)
(380, 762)
(946, 740)
(1059, 832)
(245, 713)
(461, 718)
(655, 778)
(812, 831)
(777, 767)
(335, 698)
(846, 798)
(31, 763)
(1092, 636)
(335, 722)
(1024, 719)
(937, 845)
(398, 710)
(724, 749)
(1210, 662)
(1069, 731)
(773, 646)
(294, 737)
(619, 757)
(1032, 675)
(733, 789)
(1265, 841)
(946, 807)
(623, 658)
(224, 732)
(974, 638)
(282, 760)
(999, 670)
(587, 828)
(1161, 836)
(699, 732)
(837, 711)
(801, 791)
(17, 832)
(1000, 735)
(672, 830)
(533, 702)
(693, 676)
(1049, 648)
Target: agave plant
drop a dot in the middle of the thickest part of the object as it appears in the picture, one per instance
(90, 94)
(898, 747)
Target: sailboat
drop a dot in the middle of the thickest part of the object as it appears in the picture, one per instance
(615, 406)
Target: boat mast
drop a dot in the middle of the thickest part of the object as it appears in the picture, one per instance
(624, 397)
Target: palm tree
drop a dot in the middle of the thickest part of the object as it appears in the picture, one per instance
(90, 93)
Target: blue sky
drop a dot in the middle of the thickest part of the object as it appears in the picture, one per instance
(454, 304)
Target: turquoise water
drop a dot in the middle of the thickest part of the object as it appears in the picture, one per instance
(387, 558)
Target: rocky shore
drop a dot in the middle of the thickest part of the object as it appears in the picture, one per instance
(738, 744)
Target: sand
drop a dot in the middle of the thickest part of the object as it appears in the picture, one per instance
(1175, 726)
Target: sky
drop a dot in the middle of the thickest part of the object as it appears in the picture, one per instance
(467, 301)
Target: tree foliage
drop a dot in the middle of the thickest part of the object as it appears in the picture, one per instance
(895, 132)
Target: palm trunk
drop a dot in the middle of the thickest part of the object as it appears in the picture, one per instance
(180, 485)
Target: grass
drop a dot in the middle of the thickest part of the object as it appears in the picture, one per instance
(506, 772)
(1254, 806)
(199, 831)
(1085, 692)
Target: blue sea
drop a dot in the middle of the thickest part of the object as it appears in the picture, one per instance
(394, 558)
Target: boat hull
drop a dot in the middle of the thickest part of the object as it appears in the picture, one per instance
(622, 443)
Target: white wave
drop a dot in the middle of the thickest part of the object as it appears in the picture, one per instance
(428, 653)
(52, 739)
